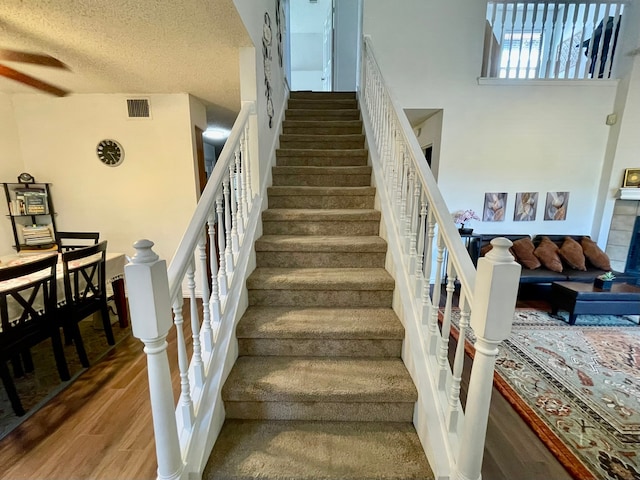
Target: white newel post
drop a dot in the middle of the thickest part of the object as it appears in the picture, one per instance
(150, 307)
(494, 296)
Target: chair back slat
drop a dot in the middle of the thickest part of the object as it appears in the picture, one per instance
(84, 273)
(68, 241)
(33, 297)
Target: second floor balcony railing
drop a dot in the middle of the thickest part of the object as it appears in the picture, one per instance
(551, 40)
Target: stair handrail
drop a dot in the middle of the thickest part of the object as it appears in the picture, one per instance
(427, 250)
(226, 218)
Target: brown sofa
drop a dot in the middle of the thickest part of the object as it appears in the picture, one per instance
(540, 279)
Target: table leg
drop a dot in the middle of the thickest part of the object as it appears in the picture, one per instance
(121, 302)
(572, 318)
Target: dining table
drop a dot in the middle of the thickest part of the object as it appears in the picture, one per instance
(114, 273)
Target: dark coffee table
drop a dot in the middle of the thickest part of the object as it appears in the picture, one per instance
(583, 298)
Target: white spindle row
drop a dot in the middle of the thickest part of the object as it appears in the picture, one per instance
(202, 271)
(433, 256)
(543, 39)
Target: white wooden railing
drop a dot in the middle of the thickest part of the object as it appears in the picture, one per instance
(427, 254)
(218, 240)
(561, 39)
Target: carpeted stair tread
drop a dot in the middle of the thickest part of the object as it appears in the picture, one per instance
(290, 190)
(321, 170)
(341, 279)
(319, 379)
(303, 137)
(322, 323)
(323, 113)
(320, 215)
(322, 103)
(322, 95)
(304, 450)
(318, 152)
(320, 243)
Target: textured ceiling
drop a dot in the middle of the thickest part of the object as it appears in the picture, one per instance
(131, 46)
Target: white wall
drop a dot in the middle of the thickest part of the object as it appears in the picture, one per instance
(495, 138)
(150, 195)
(252, 79)
(11, 166)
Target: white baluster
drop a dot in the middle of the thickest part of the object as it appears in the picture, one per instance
(443, 363)
(207, 332)
(495, 293)
(435, 299)
(185, 403)
(235, 243)
(454, 412)
(222, 238)
(408, 218)
(198, 365)
(419, 273)
(247, 156)
(428, 264)
(146, 278)
(216, 309)
(404, 186)
(241, 196)
(413, 229)
(228, 252)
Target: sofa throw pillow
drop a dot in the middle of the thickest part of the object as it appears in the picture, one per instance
(594, 254)
(523, 249)
(571, 253)
(547, 252)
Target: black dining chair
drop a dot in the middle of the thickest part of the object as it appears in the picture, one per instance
(28, 316)
(85, 293)
(68, 241)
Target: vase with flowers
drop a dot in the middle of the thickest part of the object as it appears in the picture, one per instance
(464, 216)
(604, 281)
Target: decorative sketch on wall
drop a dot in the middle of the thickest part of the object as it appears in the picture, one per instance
(280, 26)
(266, 59)
(556, 206)
(494, 205)
(525, 207)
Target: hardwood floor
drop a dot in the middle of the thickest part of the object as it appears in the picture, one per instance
(100, 428)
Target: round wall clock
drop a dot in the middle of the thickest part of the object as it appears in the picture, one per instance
(110, 152)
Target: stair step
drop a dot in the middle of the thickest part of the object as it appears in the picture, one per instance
(327, 142)
(285, 221)
(279, 450)
(322, 95)
(323, 114)
(320, 287)
(295, 197)
(319, 158)
(315, 332)
(322, 176)
(318, 388)
(329, 127)
(322, 104)
(298, 251)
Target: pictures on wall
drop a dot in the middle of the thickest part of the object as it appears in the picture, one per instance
(494, 207)
(525, 207)
(556, 206)
(631, 178)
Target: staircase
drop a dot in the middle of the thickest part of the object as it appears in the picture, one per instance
(319, 389)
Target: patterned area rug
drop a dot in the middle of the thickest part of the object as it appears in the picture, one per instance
(578, 387)
(38, 387)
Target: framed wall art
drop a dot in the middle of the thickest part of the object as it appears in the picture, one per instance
(494, 207)
(556, 205)
(525, 207)
(631, 178)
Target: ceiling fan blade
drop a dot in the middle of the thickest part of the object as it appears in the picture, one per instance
(37, 59)
(32, 82)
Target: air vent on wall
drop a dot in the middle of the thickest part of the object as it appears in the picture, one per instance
(138, 108)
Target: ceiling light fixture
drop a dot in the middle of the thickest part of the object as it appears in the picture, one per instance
(216, 133)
